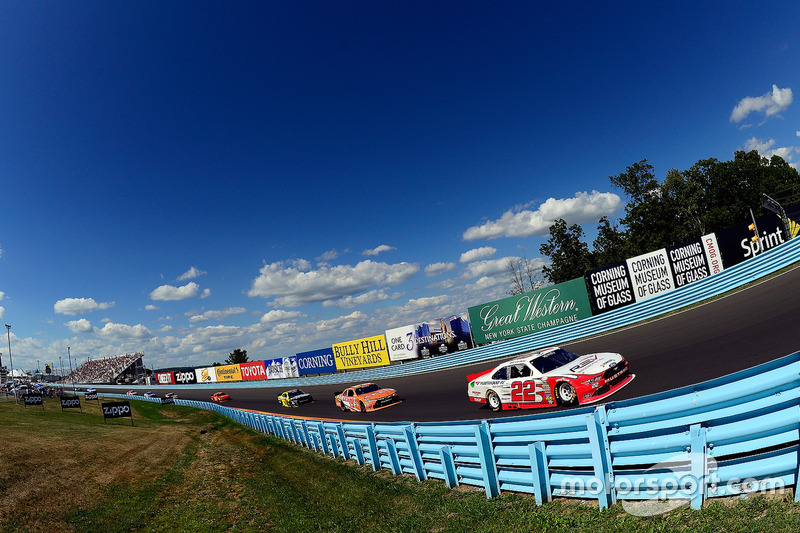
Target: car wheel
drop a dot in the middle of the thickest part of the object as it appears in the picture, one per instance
(342, 407)
(494, 401)
(566, 394)
(361, 407)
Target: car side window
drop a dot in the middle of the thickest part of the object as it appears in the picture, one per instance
(501, 373)
(350, 392)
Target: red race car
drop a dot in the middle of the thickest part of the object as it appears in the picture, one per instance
(365, 397)
(220, 397)
(549, 377)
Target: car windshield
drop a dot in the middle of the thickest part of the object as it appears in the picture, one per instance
(372, 387)
(295, 392)
(553, 360)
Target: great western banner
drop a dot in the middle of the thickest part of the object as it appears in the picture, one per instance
(361, 353)
(316, 362)
(530, 312)
(438, 337)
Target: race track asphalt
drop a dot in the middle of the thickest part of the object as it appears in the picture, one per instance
(738, 331)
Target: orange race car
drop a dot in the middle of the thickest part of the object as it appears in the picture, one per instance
(220, 397)
(365, 397)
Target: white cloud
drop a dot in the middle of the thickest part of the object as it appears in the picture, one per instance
(279, 315)
(169, 292)
(379, 249)
(434, 269)
(77, 306)
(770, 104)
(192, 273)
(583, 207)
(122, 332)
(2, 295)
(484, 252)
(79, 326)
(354, 319)
(2, 312)
(217, 315)
(150, 307)
(349, 302)
(765, 149)
(487, 268)
(328, 256)
(292, 287)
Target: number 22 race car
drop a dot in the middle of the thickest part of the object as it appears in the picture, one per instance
(549, 377)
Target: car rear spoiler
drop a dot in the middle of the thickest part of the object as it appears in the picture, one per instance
(473, 377)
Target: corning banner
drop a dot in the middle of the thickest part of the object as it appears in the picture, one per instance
(228, 373)
(427, 339)
(185, 377)
(283, 367)
(610, 287)
(116, 409)
(691, 261)
(361, 353)
(316, 362)
(735, 243)
(530, 312)
(651, 274)
(206, 375)
(253, 370)
(70, 402)
(165, 378)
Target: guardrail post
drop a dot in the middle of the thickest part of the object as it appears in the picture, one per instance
(394, 459)
(305, 434)
(323, 439)
(486, 454)
(601, 457)
(413, 451)
(540, 472)
(699, 458)
(343, 440)
(359, 451)
(448, 466)
(295, 436)
(334, 446)
(373, 448)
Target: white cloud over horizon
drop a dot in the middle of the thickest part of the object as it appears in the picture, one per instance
(771, 104)
(172, 293)
(78, 306)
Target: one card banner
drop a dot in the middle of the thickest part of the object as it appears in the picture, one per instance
(361, 353)
(533, 311)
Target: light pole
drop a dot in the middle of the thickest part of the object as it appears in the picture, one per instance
(11, 359)
(70, 370)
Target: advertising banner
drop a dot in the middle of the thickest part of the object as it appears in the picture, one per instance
(530, 312)
(117, 410)
(610, 287)
(206, 375)
(316, 362)
(33, 399)
(70, 402)
(165, 378)
(651, 274)
(283, 367)
(228, 373)
(361, 353)
(90, 396)
(690, 261)
(442, 336)
(735, 243)
(253, 371)
(185, 377)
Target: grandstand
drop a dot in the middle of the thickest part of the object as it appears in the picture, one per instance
(117, 369)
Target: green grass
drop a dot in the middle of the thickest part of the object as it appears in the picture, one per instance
(181, 469)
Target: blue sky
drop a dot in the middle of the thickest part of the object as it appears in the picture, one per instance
(188, 178)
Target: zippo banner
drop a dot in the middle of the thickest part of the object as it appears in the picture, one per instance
(530, 312)
(316, 362)
(90, 396)
(253, 371)
(361, 353)
(442, 336)
(228, 373)
(33, 399)
(117, 409)
(185, 377)
(72, 402)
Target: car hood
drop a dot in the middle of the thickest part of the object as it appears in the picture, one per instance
(590, 364)
(378, 394)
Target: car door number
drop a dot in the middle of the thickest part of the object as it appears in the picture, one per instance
(525, 391)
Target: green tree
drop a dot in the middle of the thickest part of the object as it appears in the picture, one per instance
(525, 275)
(569, 255)
(609, 246)
(237, 356)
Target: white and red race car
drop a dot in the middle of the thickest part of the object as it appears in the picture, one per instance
(549, 377)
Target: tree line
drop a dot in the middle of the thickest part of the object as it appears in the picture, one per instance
(708, 197)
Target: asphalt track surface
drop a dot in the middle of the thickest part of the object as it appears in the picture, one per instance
(727, 335)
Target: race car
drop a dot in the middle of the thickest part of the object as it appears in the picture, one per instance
(220, 397)
(131, 393)
(365, 397)
(149, 394)
(549, 377)
(294, 398)
(172, 395)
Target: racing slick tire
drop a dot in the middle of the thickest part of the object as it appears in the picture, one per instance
(566, 394)
(342, 407)
(361, 407)
(493, 400)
